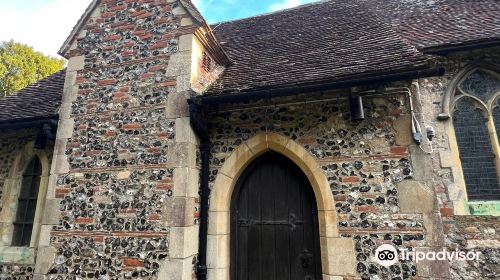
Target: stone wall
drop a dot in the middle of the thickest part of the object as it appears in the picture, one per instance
(475, 234)
(445, 175)
(121, 203)
(368, 165)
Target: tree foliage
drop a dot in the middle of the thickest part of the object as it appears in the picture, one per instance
(21, 65)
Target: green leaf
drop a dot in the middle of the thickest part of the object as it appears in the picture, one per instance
(21, 65)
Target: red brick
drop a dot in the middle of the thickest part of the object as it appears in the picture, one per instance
(128, 210)
(124, 89)
(399, 150)
(61, 192)
(119, 95)
(156, 68)
(84, 91)
(131, 126)
(307, 141)
(140, 32)
(80, 80)
(147, 76)
(162, 134)
(166, 180)
(446, 212)
(164, 187)
(99, 239)
(125, 27)
(112, 37)
(118, 8)
(108, 14)
(154, 150)
(169, 84)
(138, 13)
(159, 45)
(167, 36)
(144, 15)
(340, 197)
(352, 179)
(128, 44)
(128, 53)
(366, 208)
(166, 9)
(162, 20)
(154, 217)
(131, 262)
(73, 145)
(145, 37)
(82, 220)
(108, 82)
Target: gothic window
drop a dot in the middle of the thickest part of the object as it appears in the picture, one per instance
(476, 119)
(26, 207)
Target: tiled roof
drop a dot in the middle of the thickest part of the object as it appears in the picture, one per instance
(39, 100)
(438, 23)
(330, 40)
(339, 39)
(324, 41)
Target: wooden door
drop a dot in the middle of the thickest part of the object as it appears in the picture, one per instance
(274, 224)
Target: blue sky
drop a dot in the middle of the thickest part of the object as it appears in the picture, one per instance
(223, 10)
(45, 24)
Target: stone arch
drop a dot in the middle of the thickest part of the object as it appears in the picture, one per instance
(479, 104)
(13, 187)
(460, 196)
(449, 95)
(337, 253)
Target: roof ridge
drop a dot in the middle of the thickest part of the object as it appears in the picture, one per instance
(215, 25)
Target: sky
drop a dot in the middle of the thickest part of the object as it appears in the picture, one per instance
(45, 24)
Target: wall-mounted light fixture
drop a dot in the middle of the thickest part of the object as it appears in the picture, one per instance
(356, 106)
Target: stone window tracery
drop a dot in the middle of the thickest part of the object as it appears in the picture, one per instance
(475, 112)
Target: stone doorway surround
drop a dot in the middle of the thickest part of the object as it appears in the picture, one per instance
(337, 254)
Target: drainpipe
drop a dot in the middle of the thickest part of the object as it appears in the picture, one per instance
(205, 147)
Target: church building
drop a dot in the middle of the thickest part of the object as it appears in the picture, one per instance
(289, 145)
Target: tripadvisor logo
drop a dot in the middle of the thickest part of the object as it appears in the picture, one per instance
(387, 255)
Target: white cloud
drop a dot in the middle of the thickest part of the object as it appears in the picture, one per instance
(46, 28)
(197, 3)
(284, 5)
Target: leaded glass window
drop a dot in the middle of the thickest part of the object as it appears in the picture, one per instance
(26, 207)
(476, 117)
(476, 154)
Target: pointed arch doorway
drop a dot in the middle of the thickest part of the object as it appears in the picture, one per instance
(274, 222)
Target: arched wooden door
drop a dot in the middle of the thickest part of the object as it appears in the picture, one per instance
(274, 223)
